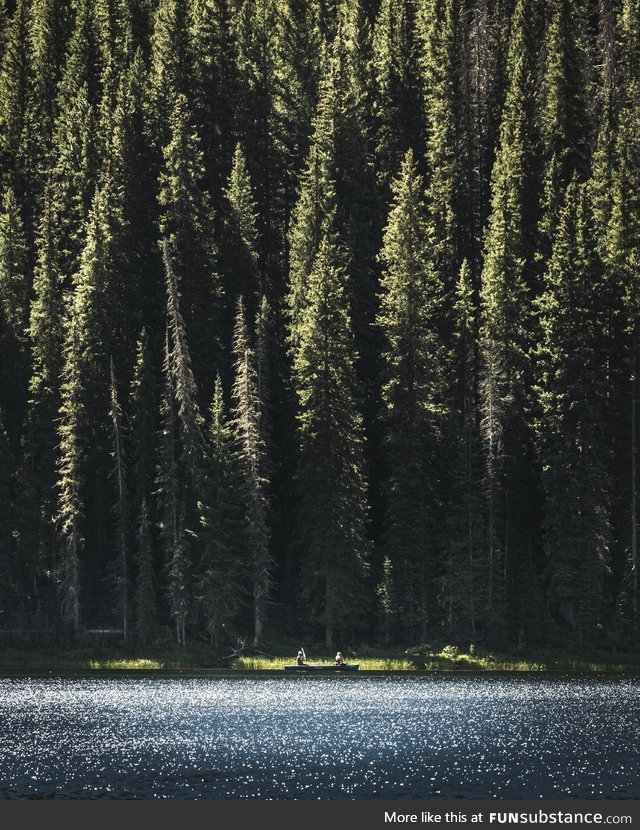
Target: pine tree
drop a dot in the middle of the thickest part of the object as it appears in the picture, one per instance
(482, 45)
(215, 86)
(7, 596)
(248, 427)
(83, 429)
(48, 35)
(15, 79)
(181, 474)
(120, 570)
(187, 225)
(46, 336)
(298, 63)
(438, 23)
(222, 578)
(143, 409)
(189, 419)
(621, 251)
(241, 260)
(564, 125)
(332, 519)
(505, 324)
(171, 66)
(146, 624)
(315, 212)
(574, 413)
(255, 28)
(399, 89)
(413, 396)
(14, 314)
(463, 578)
(170, 496)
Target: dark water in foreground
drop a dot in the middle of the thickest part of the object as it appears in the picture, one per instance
(517, 736)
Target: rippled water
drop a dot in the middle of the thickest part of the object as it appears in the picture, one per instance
(320, 738)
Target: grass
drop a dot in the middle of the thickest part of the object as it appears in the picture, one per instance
(439, 657)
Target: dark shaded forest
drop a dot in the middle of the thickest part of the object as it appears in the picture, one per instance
(320, 317)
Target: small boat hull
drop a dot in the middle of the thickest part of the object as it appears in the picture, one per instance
(310, 668)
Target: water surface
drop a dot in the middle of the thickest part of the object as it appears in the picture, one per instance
(342, 737)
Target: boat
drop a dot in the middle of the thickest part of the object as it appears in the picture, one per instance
(324, 667)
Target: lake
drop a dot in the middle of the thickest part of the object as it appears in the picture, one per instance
(333, 737)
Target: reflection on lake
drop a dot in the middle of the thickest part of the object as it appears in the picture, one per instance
(518, 736)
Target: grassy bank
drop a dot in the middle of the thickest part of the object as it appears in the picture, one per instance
(437, 658)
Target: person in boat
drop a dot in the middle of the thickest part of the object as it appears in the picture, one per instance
(300, 659)
(339, 659)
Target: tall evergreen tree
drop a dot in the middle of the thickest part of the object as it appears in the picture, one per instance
(83, 430)
(506, 324)
(15, 78)
(399, 86)
(414, 398)
(120, 569)
(187, 225)
(621, 251)
(441, 44)
(249, 432)
(564, 126)
(332, 521)
(146, 624)
(464, 577)
(15, 292)
(574, 412)
(181, 475)
(222, 577)
(241, 260)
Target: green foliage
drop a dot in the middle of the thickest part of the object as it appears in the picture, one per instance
(414, 397)
(332, 526)
(421, 204)
(573, 425)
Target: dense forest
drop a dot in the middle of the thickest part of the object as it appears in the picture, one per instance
(320, 317)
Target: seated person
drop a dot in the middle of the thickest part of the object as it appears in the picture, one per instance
(339, 659)
(301, 657)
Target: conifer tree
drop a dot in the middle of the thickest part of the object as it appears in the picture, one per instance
(187, 224)
(181, 475)
(15, 79)
(241, 260)
(414, 396)
(143, 409)
(506, 322)
(46, 336)
(48, 34)
(564, 126)
(621, 251)
(482, 45)
(398, 82)
(170, 496)
(332, 519)
(171, 66)
(438, 24)
(6, 591)
(255, 27)
(574, 413)
(300, 52)
(248, 428)
(221, 571)
(315, 212)
(83, 426)
(121, 588)
(463, 578)
(215, 86)
(14, 313)
(146, 625)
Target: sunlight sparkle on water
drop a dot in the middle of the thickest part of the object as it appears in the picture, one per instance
(330, 737)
